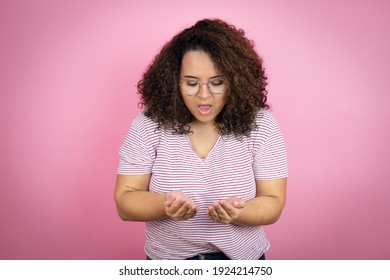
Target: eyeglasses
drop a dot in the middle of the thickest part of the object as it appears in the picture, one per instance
(191, 87)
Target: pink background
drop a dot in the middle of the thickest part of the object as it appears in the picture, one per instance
(68, 75)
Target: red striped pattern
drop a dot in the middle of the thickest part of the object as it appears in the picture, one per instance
(230, 169)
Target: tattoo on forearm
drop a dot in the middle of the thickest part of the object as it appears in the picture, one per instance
(132, 188)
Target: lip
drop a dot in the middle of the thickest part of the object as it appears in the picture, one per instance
(204, 109)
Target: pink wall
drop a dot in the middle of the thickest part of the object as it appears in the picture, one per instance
(67, 97)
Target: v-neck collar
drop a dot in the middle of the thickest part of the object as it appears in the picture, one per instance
(210, 152)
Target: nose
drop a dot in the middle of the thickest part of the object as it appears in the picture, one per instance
(204, 90)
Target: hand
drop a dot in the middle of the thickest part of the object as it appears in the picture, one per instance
(179, 207)
(226, 211)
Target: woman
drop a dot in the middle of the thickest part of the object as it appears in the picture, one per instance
(204, 165)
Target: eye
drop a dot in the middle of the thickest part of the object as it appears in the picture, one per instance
(191, 83)
(217, 82)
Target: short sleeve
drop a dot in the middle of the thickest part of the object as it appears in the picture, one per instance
(137, 153)
(270, 158)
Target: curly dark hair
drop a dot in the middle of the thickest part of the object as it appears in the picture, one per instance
(232, 54)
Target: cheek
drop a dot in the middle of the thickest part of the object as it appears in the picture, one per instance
(222, 102)
(189, 104)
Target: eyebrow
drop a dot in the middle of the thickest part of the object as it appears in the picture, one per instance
(193, 77)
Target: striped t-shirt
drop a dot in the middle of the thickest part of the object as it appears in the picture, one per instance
(230, 169)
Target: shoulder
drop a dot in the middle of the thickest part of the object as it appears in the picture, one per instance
(267, 129)
(265, 118)
(143, 123)
(143, 133)
(266, 123)
(144, 130)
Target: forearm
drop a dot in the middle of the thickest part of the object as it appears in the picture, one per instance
(262, 210)
(141, 206)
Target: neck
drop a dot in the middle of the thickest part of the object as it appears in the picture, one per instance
(203, 126)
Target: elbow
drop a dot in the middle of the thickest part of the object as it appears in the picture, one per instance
(120, 209)
(276, 218)
(271, 220)
(277, 214)
(123, 216)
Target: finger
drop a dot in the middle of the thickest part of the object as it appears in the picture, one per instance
(219, 208)
(190, 214)
(182, 211)
(210, 213)
(214, 217)
(176, 206)
(192, 210)
(226, 209)
(213, 214)
(227, 212)
(194, 213)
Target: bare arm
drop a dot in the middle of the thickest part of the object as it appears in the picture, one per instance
(133, 200)
(135, 203)
(264, 209)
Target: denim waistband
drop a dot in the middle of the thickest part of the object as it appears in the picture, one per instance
(210, 256)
